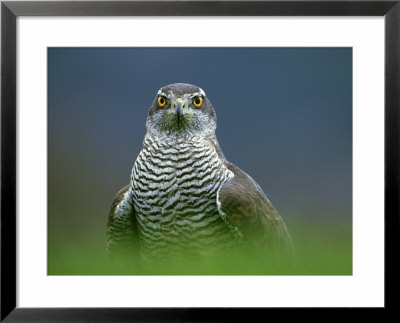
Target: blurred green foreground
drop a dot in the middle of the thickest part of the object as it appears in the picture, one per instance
(323, 249)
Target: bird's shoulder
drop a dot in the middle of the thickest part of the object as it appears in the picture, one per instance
(121, 227)
(245, 205)
(120, 201)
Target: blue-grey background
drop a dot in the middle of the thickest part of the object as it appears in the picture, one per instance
(284, 116)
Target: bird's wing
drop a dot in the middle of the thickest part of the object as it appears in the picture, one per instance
(244, 206)
(121, 226)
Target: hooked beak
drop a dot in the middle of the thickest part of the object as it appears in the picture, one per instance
(179, 110)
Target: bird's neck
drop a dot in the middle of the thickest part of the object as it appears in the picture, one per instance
(180, 134)
(175, 143)
(199, 152)
(173, 160)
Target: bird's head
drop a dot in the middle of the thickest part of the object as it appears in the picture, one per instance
(181, 109)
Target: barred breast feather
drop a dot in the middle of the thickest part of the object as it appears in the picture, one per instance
(175, 185)
(186, 199)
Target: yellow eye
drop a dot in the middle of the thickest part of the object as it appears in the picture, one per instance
(198, 101)
(161, 101)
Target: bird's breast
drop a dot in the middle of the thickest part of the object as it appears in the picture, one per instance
(174, 187)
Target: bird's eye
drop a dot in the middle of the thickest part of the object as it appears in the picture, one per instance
(161, 101)
(198, 101)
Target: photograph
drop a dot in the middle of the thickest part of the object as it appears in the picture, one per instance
(200, 160)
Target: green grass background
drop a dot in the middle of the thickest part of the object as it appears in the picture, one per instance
(321, 249)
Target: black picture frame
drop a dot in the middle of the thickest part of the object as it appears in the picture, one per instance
(10, 10)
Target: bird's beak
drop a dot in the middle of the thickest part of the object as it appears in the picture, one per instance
(179, 109)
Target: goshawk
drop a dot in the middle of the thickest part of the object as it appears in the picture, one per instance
(184, 197)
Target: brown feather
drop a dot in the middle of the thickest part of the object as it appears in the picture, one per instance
(117, 200)
(121, 229)
(246, 207)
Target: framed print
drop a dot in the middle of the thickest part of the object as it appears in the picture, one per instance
(306, 97)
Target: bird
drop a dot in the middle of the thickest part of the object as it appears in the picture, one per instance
(184, 197)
